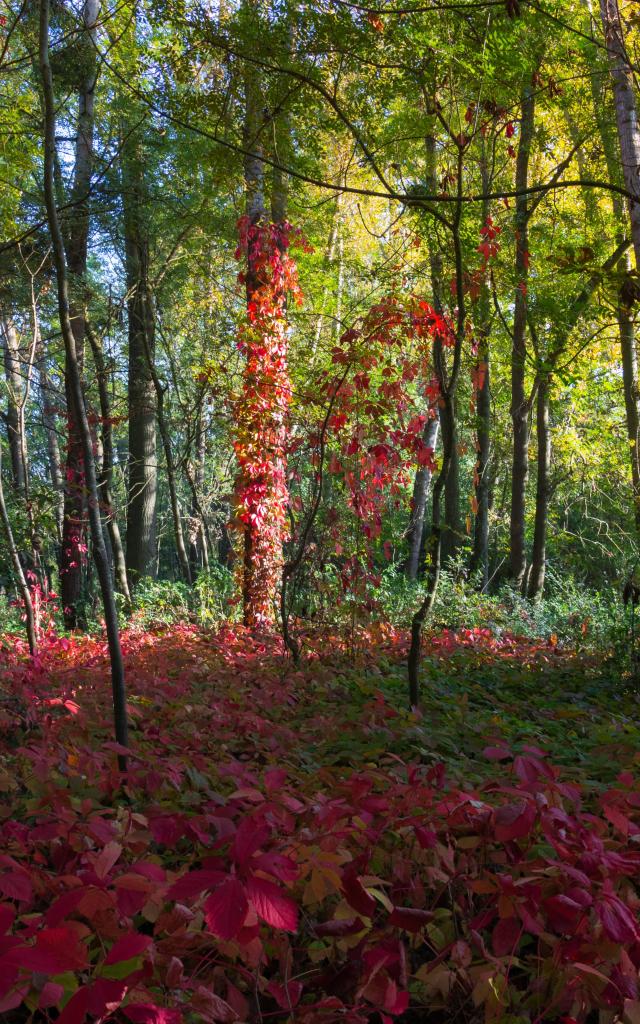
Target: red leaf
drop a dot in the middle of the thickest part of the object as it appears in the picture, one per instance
(350, 926)
(356, 894)
(412, 919)
(514, 821)
(562, 913)
(426, 837)
(63, 943)
(16, 885)
(272, 905)
(618, 922)
(7, 915)
(194, 883)
(127, 947)
(50, 995)
(226, 909)
(505, 936)
(285, 996)
(76, 1009)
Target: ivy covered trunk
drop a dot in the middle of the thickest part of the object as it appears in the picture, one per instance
(261, 415)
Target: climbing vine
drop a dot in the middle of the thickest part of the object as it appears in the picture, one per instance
(261, 411)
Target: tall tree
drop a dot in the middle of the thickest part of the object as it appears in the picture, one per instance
(76, 230)
(75, 388)
(520, 401)
(142, 398)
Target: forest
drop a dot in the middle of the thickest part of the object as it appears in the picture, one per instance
(319, 512)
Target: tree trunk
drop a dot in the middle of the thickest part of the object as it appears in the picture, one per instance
(15, 422)
(480, 556)
(631, 389)
(106, 475)
(51, 431)
(198, 544)
(520, 406)
(142, 398)
(451, 531)
(421, 486)
(626, 112)
(72, 555)
(76, 393)
(14, 554)
(626, 326)
(543, 491)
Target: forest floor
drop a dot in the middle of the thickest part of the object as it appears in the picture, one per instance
(292, 843)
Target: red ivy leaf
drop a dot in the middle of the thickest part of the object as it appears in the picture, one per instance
(127, 947)
(226, 909)
(272, 905)
(514, 821)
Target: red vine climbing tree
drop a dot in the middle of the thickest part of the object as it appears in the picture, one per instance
(262, 411)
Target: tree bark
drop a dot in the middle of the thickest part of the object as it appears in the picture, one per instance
(198, 544)
(543, 490)
(520, 404)
(51, 431)
(106, 475)
(421, 487)
(451, 530)
(23, 587)
(15, 387)
(77, 395)
(626, 326)
(72, 554)
(626, 112)
(142, 398)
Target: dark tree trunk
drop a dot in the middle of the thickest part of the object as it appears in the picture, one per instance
(451, 528)
(106, 474)
(72, 556)
(142, 398)
(421, 487)
(76, 393)
(543, 491)
(520, 404)
(631, 388)
(198, 541)
(480, 556)
(626, 325)
(51, 430)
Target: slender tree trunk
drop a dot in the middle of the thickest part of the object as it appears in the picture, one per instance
(448, 383)
(631, 389)
(181, 550)
(543, 490)
(626, 112)
(77, 395)
(106, 475)
(198, 545)
(626, 326)
(421, 487)
(142, 397)
(51, 431)
(451, 531)
(14, 554)
(72, 555)
(15, 386)
(520, 405)
(480, 556)
(535, 578)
